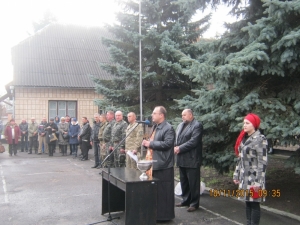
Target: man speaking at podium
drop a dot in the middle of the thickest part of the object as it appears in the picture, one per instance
(162, 144)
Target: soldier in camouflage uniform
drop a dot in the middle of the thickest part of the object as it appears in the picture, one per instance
(118, 132)
(134, 140)
(103, 150)
(107, 135)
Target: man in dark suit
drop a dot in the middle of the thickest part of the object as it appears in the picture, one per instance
(188, 148)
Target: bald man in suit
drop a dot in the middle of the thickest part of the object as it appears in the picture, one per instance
(188, 149)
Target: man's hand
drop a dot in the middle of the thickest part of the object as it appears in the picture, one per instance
(176, 150)
(146, 143)
(134, 152)
(122, 151)
(110, 148)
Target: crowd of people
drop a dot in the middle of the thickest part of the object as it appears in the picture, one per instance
(110, 132)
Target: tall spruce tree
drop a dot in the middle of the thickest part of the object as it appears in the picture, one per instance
(254, 67)
(167, 34)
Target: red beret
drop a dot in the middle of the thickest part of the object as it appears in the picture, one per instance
(254, 119)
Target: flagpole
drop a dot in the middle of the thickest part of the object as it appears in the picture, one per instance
(140, 58)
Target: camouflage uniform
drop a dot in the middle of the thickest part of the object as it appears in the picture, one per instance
(103, 150)
(118, 132)
(133, 142)
(107, 139)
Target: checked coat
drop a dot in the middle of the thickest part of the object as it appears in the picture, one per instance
(252, 164)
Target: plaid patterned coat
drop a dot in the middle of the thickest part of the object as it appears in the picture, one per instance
(251, 166)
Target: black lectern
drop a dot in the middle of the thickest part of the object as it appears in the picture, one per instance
(128, 193)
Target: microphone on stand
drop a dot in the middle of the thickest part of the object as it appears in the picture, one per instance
(146, 122)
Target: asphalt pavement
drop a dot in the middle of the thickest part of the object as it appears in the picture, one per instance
(38, 189)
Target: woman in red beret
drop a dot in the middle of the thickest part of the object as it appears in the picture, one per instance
(250, 172)
(12, 133)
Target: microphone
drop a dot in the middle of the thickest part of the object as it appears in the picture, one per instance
(146, 122)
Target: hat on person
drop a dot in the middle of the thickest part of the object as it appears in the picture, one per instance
(74, 119)
(255, 120)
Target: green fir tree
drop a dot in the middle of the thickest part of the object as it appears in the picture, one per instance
(254, 67)
(167, 35)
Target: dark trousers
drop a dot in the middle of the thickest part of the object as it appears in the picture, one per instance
(51, 147)
(24, 142)
(12, 147)
(97, 153)
(253, 213)
(33, 143)
(63, 149)
(190, 186)
(85, 149)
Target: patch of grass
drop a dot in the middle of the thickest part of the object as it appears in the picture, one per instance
(230, 174)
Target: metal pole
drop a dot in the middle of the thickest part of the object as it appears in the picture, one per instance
(140, 58)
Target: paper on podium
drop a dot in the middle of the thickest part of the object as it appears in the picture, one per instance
(133, 156)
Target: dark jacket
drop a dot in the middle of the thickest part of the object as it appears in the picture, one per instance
(190, 144)
(95, 132)
(163, 146)
(73, 133)
(41, 129)
(24, 128)
(85, 133)
(49, 131)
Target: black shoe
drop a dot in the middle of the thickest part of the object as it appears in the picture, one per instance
(94, 166)
(22, 150)
(39, 153)
(29, 153)
(180, 205)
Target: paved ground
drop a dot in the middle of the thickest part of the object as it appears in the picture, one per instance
(37, 189)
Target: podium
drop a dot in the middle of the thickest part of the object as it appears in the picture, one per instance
(138, 199)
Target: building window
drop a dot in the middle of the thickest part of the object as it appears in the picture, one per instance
(62, 108)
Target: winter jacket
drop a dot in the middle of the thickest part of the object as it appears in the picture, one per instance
(95, 132)
(189, 141)
(49, 131)
(73, 133)
(163, 146)
(63, 127)
(8, 134)
(41, 129)
(24, 128)
(251, 166)
(32, 128)
(85, 133)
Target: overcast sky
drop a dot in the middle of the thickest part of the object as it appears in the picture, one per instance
(16, 17)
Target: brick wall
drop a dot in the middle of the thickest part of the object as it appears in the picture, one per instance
(33, 102)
